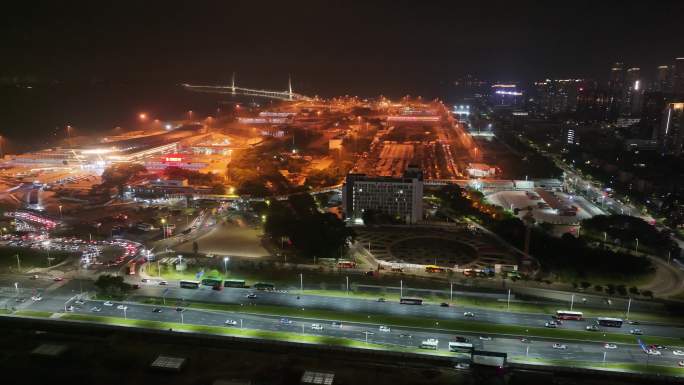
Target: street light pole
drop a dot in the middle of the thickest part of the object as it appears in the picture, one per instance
(508, 301)
(451, 292)
(401, 288)
(572, 301)
(347, 279)
(301, 283)
(18, 262)
(629, 305)
(636, 248)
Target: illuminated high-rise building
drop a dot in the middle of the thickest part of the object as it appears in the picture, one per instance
(671, 134)
(663, 80)
(634, 92)
(678, 76)
(616, 91)
(557, 95)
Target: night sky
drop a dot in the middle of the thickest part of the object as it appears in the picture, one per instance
(337, 47)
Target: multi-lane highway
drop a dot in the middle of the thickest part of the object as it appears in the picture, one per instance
(397, 337)
(364, 306)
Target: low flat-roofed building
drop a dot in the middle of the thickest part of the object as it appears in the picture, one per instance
(168, 363)
(317, 378)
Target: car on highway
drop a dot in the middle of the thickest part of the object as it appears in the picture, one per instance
(37, 298)
(180, 309)
(20, 300)
(681, 364)
(551, 324)
(485, 338)
(382, 300)
(444, 304)
(384, 329)
(69, 308)
(108, 303)
(144, 280)
(163, 283)
(559, 346)
(122, 307)
(79, 302)
(633, 322)
(525, 340)
(34, 276)
(657, 347)
(610, 346)
(318, 327)
(678, 352)
(251, 296)
(95, 309)
(469, 314)
(462, 339)
(653, 352)
(592, 328)
(636, 332)
(405, 336)
(58, 279)
(336, 324)
(156, 310)
(462, 366)
(230, 322)
(286, 321)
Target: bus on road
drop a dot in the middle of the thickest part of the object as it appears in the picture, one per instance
(569, 315)
(234, 283)
(612, 322)
(430, 343)
(411, 301)
(460, 347)
(189, 284)
(264, 286)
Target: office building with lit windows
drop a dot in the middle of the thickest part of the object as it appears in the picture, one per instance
(401, 198)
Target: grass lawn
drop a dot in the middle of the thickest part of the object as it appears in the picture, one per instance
(33, 313)
(450, 325)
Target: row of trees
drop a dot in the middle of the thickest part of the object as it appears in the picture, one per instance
(565, 256)
(626, 229)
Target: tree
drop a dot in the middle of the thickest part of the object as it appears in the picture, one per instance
(195, 247)
(112, 286)
(119, 175)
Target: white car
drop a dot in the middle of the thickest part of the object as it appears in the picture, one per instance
(469, 314)
(316, 327)
(96, 309)
(69, 308)
(551, 325)
(653, 352)
(385, 329)
(462, 366)
(37, 298)
(678, 352)
(108, 303)
(610, 346)
(122, 307)
(559, 346)
(79, 302)
(231, 322)
(485, 338)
